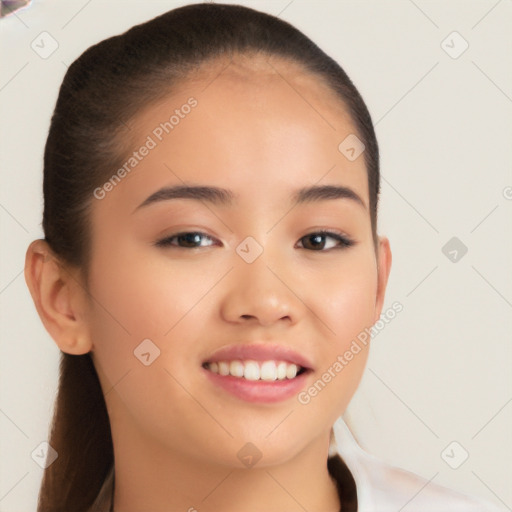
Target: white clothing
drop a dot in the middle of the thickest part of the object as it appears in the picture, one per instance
(382, 487)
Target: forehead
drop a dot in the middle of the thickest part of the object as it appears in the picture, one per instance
(257, 124)
(263, 82)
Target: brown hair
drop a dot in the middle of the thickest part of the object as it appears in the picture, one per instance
(101, 92)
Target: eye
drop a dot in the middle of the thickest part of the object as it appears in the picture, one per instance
(192, 240)
(318, 245)
(185, 240)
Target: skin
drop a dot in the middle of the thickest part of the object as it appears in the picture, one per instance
(176, 436)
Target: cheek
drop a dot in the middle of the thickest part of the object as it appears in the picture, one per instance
(147, 312)
(345, 296)
(345, 302)
(145, 305)
(349, 309)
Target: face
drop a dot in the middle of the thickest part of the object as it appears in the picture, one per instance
(183, 288)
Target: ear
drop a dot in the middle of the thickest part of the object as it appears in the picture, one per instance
(384, 266)
(59, 297)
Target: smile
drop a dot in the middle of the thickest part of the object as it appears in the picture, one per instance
(256, 370)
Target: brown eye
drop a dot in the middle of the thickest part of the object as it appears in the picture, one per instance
(185, 240)
(316, 241)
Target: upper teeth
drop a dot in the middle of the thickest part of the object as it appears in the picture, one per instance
(255, 370)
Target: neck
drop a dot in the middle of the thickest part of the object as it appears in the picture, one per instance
(149, 476)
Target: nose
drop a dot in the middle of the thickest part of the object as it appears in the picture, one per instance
(261, 292)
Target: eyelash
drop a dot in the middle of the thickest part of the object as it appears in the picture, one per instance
(344, 241)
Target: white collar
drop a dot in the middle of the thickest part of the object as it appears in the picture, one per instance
(382, 487)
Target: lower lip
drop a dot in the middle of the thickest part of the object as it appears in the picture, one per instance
(259, 391)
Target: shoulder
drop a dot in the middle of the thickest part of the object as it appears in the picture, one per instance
(382, 487)
(393, 488)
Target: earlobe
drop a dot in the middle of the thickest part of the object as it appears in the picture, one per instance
(384, 268)
(58, 297)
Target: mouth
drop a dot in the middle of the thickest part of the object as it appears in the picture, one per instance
(258, 373)
(268, 371)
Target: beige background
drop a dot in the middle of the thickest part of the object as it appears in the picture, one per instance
(440, 371)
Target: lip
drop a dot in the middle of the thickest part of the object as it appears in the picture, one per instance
(258, 352)
(259, 391)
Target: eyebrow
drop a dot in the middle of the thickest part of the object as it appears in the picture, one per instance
(224, 197)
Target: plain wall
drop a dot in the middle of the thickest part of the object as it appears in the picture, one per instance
(440, 370)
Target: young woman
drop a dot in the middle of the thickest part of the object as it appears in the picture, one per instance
(211, 181)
